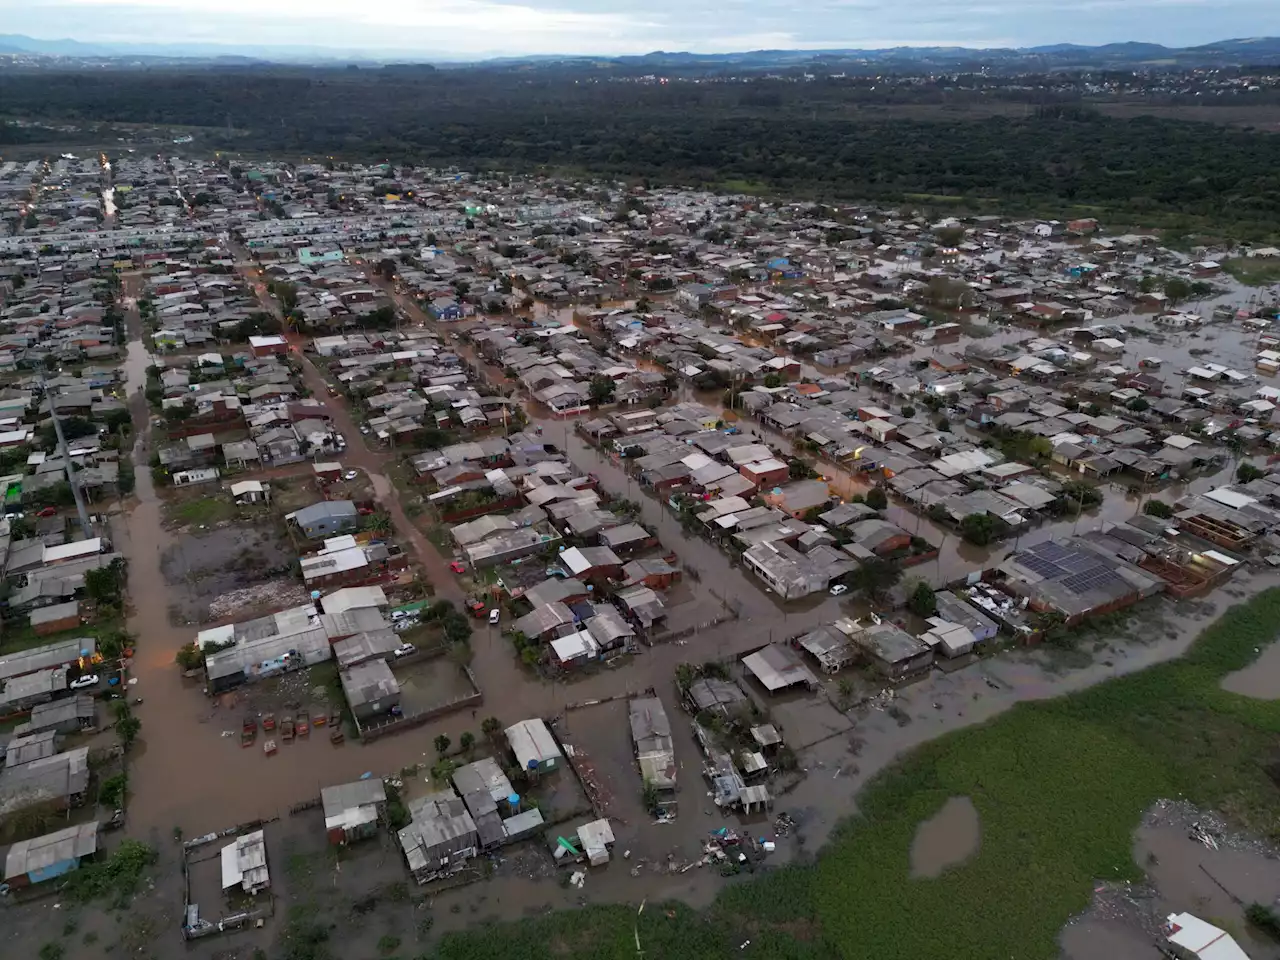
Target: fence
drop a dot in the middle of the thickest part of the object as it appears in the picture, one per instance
(674, 635)
(381, 728)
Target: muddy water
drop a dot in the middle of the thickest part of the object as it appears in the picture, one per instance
(948, 838)
(1126, 922)
(1261, 679)
(1209, 883)
(1113, 939)
(184, 773)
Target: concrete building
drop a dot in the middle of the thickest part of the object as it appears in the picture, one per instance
(68, 715)
(440, 838)
(352, 810)
(371, 689)
(655, 750)
(778, 667)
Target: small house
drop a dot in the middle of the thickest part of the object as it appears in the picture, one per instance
(50, 856)
(534, 746)
(352, 810)
(244, 864)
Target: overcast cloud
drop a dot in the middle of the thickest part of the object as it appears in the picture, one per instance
(465, 28)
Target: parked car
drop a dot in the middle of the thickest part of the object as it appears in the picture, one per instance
(47, 512)
(457, 567)
(838, 589)
(87, 680)
(476, 607)
(366, 429)
(405, 649)
(350, 475)
(493, 615)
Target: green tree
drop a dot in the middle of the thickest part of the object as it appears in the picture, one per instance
(979, 528)
(491, 727)
(189, 656)
(602, 389)
(457, 628)
(877, 499)
(1247, 472)
(923, 601)
(104, 584)
(1176, 289)
(442, 744)
(127, 725)
(467, 742)
(1138, 404)
(1158, 509)
(875, 577)
(1265, 918)
(773, 381)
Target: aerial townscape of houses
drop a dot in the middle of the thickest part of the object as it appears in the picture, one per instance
(591, 419)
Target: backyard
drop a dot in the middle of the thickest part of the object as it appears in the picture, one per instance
(1059, 787)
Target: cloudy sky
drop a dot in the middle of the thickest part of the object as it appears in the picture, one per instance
(465, 28)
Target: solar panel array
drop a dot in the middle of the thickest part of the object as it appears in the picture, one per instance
(1077, 570)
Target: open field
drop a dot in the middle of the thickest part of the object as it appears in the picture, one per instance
(1253, 272)
(1059, 787)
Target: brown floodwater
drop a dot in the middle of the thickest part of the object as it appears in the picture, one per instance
(1261, 679)
(1125, 921)
(948, 838)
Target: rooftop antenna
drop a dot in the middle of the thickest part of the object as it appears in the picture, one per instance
(66, 460)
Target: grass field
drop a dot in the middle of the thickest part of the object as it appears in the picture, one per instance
(1059, 785)
(1253, 272)
(202, 511)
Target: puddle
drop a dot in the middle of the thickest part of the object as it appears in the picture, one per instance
(1260, 680)
(948, 838)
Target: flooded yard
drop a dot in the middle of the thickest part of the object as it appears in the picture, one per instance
(200, 567)
(948, 838)
(1193, 864)
(1261, 679)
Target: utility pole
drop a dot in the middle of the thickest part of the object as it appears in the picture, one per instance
(66, 460)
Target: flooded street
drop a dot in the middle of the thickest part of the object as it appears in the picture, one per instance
(187, 775)
(948, 838)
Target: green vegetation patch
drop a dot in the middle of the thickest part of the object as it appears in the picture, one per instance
(1059, 785)
(1252, 271)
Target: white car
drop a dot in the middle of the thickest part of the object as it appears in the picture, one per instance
(838, 589)
(493, 615)
(405, 649)
(88, 680)
(350, 475)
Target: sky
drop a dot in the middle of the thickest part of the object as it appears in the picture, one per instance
(473, 28)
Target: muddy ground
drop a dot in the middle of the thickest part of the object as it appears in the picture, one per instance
(202, 566)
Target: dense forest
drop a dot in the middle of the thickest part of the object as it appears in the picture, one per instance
(831, 139)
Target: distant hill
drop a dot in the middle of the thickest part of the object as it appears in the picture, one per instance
(1059, 55)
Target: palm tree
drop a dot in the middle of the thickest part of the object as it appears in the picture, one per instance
(490, 727)
(442, 744)
(468, 742)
